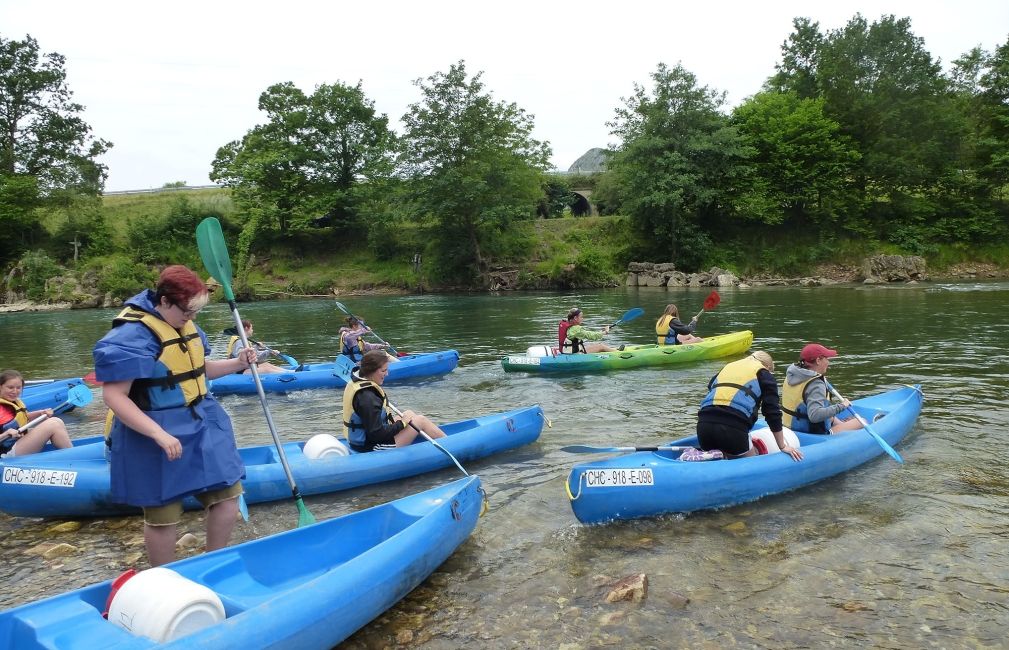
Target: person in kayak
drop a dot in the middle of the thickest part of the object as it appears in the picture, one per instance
(368, 419)
(263, 353)
(169, 438)
(735, 396)
(804, 398)
(13, 414)
(353, 345)
(671, 331)
(571, 336)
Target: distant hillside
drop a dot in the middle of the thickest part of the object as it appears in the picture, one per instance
(593, 160)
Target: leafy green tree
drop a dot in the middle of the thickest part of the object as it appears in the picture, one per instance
(993, 151)
(41, 131)
(801, 155)
(315, 156)
(679, 165)
(473, 167)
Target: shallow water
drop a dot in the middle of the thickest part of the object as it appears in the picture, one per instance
(888, 555)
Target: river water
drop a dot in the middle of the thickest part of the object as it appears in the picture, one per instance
(889, 555)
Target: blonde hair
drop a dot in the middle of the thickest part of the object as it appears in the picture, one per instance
(764, 359)
(671, 310)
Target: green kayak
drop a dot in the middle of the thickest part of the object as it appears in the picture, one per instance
(632, 356)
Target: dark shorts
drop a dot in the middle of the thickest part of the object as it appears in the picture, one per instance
(717, 435)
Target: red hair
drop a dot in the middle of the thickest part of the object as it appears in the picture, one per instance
(180, 285)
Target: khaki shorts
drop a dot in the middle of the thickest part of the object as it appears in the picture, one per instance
(170, 513)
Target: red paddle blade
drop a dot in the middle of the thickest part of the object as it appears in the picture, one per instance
(91, 380)
(712, 301)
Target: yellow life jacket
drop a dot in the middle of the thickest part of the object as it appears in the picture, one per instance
(662, 330)
(794, 413)
(352, 425)
(355, 352)
(180, 372)
(231, 345)
(19, 409)
(736, 386)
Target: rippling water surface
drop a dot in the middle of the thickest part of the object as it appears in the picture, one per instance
(889, 555)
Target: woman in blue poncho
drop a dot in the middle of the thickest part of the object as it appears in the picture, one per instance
(169, 438)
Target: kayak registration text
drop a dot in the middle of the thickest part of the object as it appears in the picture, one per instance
(631, 477)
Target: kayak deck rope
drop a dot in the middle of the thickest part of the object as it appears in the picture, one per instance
(567, 487)
(550, 425)
(485, 505)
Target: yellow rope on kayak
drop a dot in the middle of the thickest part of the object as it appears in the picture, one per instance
(550, 424)
(567, 487)
(485, 502)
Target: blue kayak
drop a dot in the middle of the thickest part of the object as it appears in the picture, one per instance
(75, 482)
(644, 484)
(310, 587)
(50, 395)
(333, 375)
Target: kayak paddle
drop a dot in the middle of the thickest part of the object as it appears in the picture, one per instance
(214, 253)
(586, 449)
(865, 425)
(709, 303)
(339, 305)
(629, 315)
(78, 395)
(231, 331)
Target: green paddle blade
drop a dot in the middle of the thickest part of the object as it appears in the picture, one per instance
(214, 253)
(305, 517)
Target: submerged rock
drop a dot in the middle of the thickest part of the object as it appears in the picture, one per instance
(633, 588)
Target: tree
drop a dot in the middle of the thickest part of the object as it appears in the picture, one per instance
(678, 164)
(801, 154)
(42, 134)
(312, 156)
(472, 165)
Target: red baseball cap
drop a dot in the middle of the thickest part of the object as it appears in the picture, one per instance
(814, 351)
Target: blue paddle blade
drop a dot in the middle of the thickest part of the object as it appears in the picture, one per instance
(79, 395)
(630, 315)
(243, 507)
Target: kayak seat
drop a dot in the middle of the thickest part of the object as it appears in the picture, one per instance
(64, 625)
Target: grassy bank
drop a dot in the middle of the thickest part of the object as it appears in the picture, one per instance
(146, 231)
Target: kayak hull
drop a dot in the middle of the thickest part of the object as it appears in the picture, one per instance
(75, 482)
(633, 356)
(310, 587)
(333, 375)
(645, 484)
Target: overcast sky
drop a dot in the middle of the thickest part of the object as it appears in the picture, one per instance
(169, 82)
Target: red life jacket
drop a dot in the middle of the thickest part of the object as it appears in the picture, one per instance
(563, 344)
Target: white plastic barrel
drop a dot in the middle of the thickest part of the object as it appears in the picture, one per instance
(162, 605)
(538, 351)
(765, 443)
(324, 445)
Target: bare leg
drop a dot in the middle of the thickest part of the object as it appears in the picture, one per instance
(34, 440)
(221, 518)
(160, 542)
(837, 425)
(598, 347)
(417, 421)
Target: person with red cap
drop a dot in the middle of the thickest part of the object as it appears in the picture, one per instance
(804, 397)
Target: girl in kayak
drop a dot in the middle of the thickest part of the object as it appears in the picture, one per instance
(671, 331)
(571, 336)
(170, 438)
(368, 419)
(804, 397)
(353, 345)
(736, 395)
(13, 414)
(263, 353)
